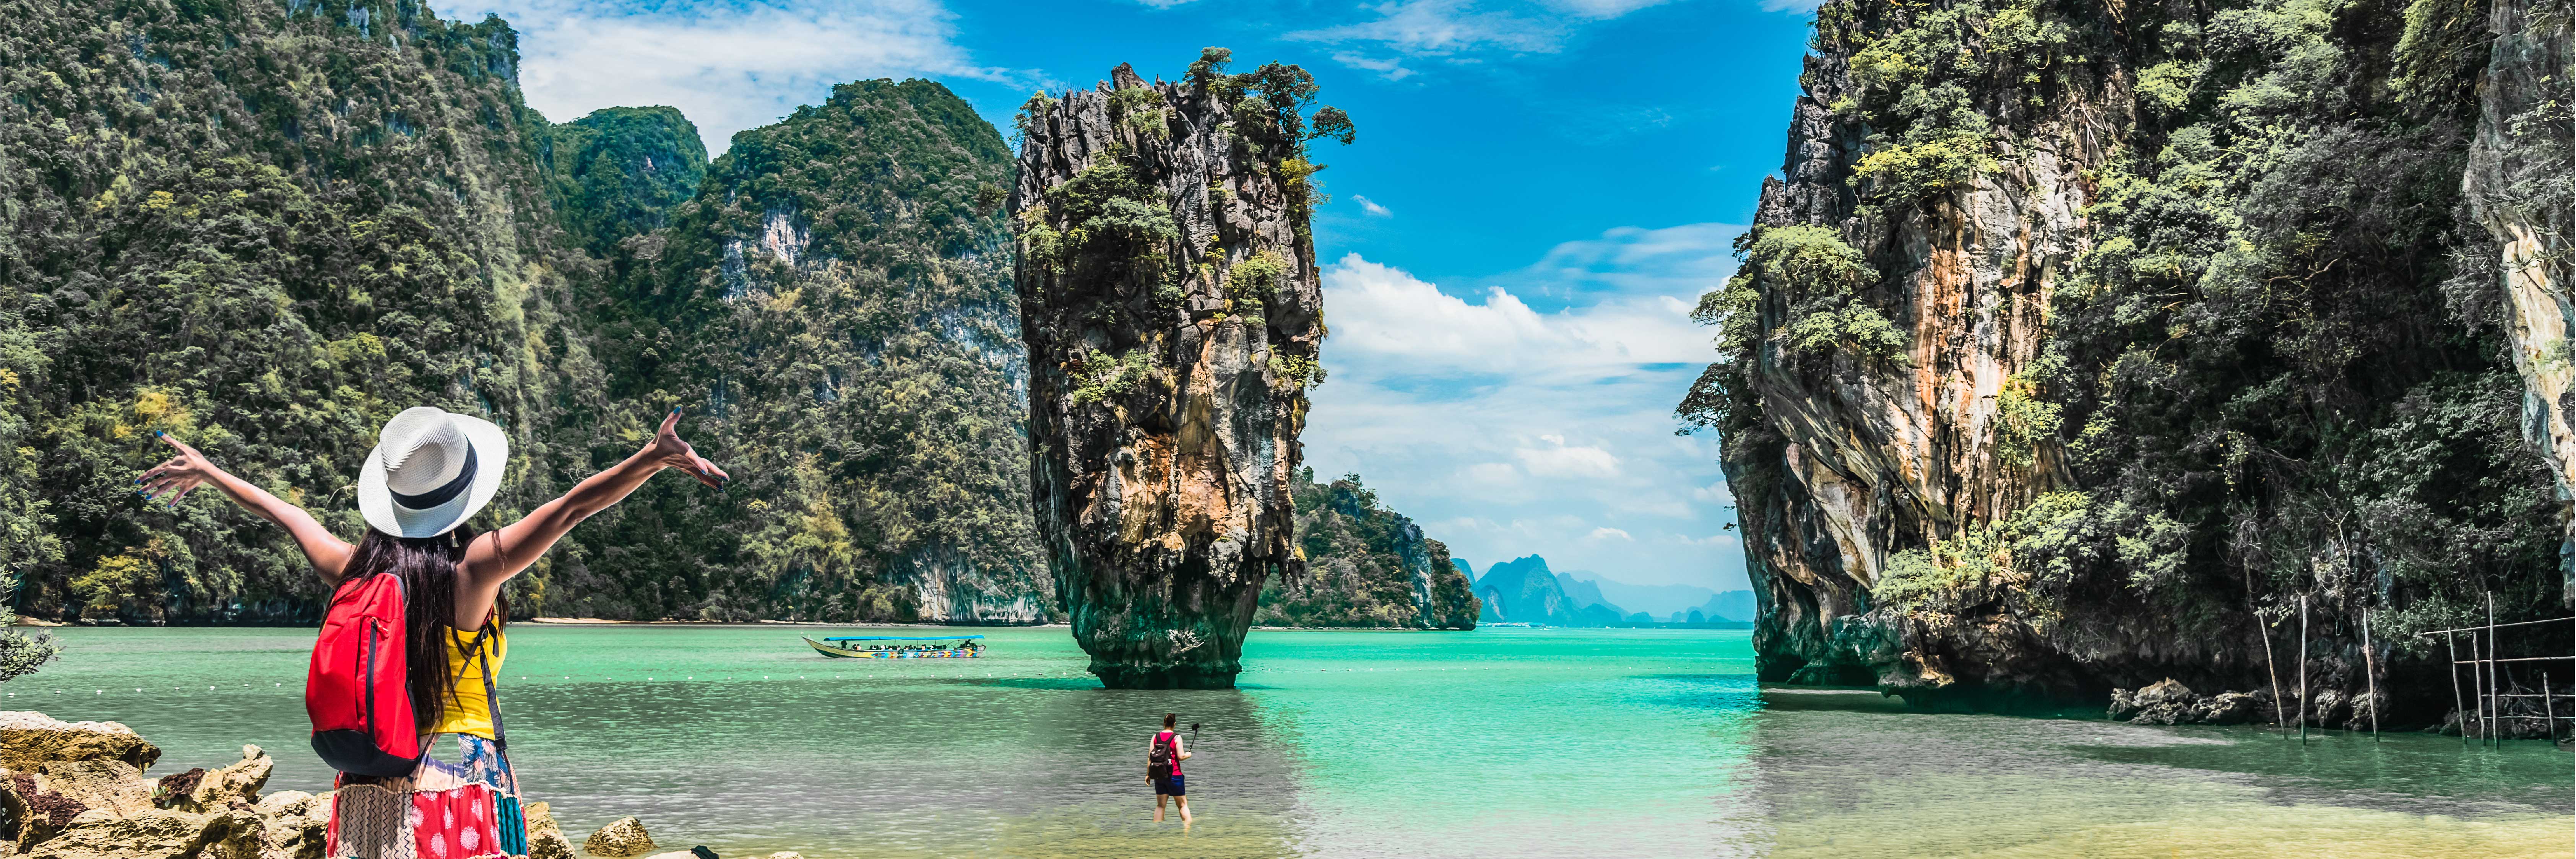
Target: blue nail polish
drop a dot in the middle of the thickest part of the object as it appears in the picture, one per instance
(158, 433)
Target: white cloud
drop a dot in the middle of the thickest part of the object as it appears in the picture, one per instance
(1803, 7)
(1561, 461)
(729, 66)
(1520, 415)
(1372, 207)
(1715, 493)
(1609, 533)
(1164, 4)
(1390, 69)
(1462, 30)
(1383, 312)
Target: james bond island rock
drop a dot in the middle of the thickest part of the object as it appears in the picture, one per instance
(2082, 342)
(1172, 311)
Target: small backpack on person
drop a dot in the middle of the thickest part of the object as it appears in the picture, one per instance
(1158, 762)
(356, 691)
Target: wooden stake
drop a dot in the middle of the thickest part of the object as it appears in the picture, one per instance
(2303, 669)
(2460, 706)
(2280, 715)
(2370, 674)
(2495, 692)
(2548, 710)
(2477, 686)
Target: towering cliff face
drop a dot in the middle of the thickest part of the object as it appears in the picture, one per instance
(2519, 186)
(1172, 311)
(2081, 342)
(836, 305)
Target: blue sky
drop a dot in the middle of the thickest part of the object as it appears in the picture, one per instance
(1539, 191)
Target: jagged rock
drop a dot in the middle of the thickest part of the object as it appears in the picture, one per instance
(1172, 310)
(2232, 708)
(545, 838)
(295, 824)
(2171, 703)
(155, 833)
(235, 786)
(2511, 156)
(29, 738)
(626, 837)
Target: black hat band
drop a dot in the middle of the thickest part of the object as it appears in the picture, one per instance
(435, 497)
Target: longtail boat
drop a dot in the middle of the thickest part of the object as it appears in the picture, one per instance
(849, 647)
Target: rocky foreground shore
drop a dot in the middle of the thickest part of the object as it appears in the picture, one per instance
(77, 790)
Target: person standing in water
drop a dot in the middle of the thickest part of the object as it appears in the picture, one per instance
(1163, 767)
(429, 473)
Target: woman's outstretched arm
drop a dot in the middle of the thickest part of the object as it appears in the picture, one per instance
(495, 557)
(181, 474)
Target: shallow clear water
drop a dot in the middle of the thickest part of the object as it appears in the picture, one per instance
(1499, 742)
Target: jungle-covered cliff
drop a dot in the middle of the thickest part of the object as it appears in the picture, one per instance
(266, 227)
(2081, 342)
(1366, 565)
(838, 293)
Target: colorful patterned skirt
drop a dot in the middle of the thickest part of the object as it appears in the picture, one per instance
(461, 802)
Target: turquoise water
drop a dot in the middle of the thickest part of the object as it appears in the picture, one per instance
(1499, 742)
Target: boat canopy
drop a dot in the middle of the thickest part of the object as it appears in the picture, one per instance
(902, 638)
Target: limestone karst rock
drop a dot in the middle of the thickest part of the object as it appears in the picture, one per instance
(71, 790)
(1172, 311)
(2516, 189)
(545, 837)
(622, 837)
(2036, 382)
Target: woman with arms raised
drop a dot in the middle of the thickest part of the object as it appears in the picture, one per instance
(430, 472)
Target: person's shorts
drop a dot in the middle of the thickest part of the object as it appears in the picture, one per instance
(1170, 786)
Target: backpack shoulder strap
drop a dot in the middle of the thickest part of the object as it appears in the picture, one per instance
(491, 692)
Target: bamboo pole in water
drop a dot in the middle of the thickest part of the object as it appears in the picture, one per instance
(2495, 690)
(2459, 705)
(2477, 687)
(2370, 674)
(2303, 669)
(2280, 717)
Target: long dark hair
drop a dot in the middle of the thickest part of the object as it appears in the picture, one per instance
(427, 566)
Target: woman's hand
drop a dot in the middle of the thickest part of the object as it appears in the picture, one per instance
(175, 477)
(671, 452)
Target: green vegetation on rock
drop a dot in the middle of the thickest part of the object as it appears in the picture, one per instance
(268, 227)
(1366, 566)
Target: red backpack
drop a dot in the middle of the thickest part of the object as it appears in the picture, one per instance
(356, 694)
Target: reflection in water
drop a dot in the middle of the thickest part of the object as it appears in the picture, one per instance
(1844, 772)
(1502, 742)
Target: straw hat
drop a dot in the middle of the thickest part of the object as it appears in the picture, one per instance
(431, 470)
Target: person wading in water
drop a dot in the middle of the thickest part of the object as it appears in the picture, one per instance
(1163, 767)
(430, 472)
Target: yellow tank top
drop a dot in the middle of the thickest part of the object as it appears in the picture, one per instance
(469, 708)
